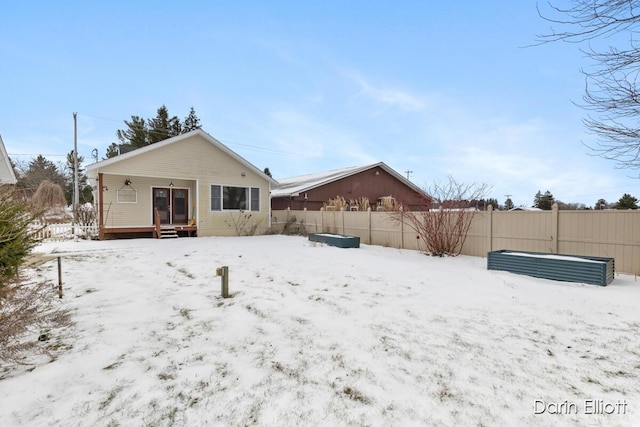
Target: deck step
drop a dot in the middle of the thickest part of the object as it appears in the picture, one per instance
(168, 233)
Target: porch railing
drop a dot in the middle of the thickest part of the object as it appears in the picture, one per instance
(157, 231)
(63, 231)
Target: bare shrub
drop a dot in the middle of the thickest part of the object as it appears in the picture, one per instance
(293, 228)
(84, 215)
(442, 226)
(243, 223)
(25, 312)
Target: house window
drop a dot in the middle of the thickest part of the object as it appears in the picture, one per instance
(226, 197)
(216, 198)
(255, 199)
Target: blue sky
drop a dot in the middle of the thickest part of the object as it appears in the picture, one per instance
(437, 88)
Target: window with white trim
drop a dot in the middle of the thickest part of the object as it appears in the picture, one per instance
(230, 198)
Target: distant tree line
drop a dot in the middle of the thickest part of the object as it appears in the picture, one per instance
(140, 132)
(31, 174)
(546, 201)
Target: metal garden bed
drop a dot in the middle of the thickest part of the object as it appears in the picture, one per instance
(338, 240)
(567, 268)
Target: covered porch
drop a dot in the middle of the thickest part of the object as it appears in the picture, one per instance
(137, 206)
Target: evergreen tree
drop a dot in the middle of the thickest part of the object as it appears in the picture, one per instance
(536, 200)
(627, 201)
(191, 122)
(38, 170)
(162, 126)
(140, 132)
(16, 236)
(543, 201)
(508, 204)
(136, 135)
(112, 150)
(85, 194)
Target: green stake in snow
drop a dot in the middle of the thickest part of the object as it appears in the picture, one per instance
(223, 272)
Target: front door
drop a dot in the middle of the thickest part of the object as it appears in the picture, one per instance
(172, 205)
(161, 203)
(180, 205)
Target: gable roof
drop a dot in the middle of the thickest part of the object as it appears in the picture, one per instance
(7, 176)
(173, 140)
(288, 187)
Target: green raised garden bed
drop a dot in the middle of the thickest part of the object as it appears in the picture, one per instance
(567, 268)
(339, 240)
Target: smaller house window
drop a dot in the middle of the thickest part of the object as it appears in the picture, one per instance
(216, 197)
(255, 199)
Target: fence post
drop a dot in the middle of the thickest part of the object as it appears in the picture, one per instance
(554, 228)
(490, 228)
(322, 219)
(370, 238)
(401, 228)
(59, 277)
(223, 272)
(342, 215)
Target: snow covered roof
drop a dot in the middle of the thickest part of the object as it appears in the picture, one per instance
(6, 170)
(525, 208)
(293, 186)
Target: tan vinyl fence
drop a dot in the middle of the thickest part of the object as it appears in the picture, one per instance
(608, 233)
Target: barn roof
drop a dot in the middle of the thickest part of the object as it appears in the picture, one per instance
(288, 187)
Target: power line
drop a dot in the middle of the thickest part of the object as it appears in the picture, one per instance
(38, 154)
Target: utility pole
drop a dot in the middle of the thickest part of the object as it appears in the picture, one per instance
(76, 189)
(408, 173)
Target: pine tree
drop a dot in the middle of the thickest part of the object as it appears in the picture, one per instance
(536, 200)
(508, 204)
(85, 192)
(627, 201)
(191, 122)
(136, 135)
(40, 169)
(543, 201)
(112, 150)
(162, 126)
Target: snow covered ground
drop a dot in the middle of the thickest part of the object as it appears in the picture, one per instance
(318, 335)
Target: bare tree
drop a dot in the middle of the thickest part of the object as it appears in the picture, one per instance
(442, 223)
(49, 197)
(612, 95)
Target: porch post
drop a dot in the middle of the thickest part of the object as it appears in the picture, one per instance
(100, 206)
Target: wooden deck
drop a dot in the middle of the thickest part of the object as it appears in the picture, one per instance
(146, 231)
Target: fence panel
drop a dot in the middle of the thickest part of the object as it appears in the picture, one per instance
(609, 233)
(64, 231)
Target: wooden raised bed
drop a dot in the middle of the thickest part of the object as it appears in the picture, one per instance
(567, 268)
(338, 240)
